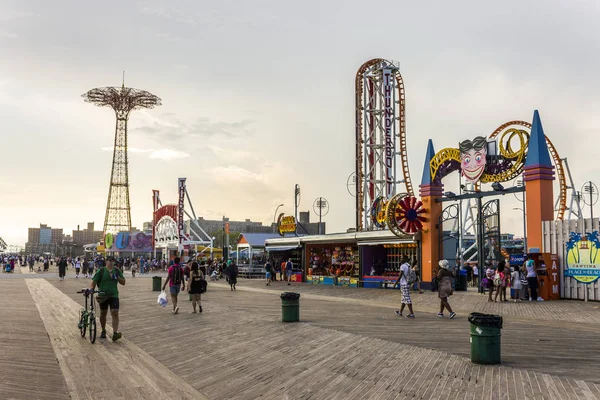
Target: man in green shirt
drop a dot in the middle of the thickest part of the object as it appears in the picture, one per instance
(106, 278)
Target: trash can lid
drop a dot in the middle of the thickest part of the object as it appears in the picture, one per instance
(290, 296)
(486, 320)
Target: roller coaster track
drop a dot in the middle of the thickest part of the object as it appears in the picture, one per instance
(3, 244)
(558, 164)
(360, 108)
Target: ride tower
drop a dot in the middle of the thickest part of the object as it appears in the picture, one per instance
(380, 139)
(122, 100)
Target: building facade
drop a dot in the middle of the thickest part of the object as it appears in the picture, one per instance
(246, 226)
(43, 240)
(87, 235)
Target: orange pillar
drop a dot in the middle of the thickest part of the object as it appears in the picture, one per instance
(430, 235)
(539, 200)
(430, 190)
(538, 174)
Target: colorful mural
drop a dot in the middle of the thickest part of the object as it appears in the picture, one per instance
(125, 242)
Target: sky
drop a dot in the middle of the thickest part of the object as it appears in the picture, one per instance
(258, 96)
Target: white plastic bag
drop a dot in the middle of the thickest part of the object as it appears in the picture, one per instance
(162, 299)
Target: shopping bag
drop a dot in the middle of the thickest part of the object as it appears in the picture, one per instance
(162, 299)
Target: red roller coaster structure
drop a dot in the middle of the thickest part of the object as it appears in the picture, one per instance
(380, 137)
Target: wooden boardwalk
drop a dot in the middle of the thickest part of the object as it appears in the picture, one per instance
(28, 366)
(350, 345)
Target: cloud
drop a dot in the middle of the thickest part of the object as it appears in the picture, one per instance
(8, 35)
(162, 154)
(168, 154)
(170, 128)
(129, 149)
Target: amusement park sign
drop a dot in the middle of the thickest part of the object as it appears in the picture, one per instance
(582, 257)
(286, 224)
(388, 86)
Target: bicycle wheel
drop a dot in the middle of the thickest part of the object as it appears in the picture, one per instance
(92, 323)
(83, 323)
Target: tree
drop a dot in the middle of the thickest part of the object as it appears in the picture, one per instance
(218, 235)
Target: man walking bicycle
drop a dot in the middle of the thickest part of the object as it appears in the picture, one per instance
(106, 279)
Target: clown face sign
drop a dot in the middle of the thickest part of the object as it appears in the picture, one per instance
(473, 155)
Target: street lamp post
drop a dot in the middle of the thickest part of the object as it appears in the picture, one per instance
(524, 227)
(275, 215)
(520, 184)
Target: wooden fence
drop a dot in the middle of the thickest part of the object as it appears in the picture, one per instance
(556, 236)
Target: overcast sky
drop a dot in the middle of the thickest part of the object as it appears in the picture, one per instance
(259, 95)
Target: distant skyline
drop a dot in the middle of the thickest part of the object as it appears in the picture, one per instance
(259, 96)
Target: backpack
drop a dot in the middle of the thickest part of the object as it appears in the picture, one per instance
(435, 285)
(412, 276)
(268, 267)
(497, 279)
(176, 278)
(203, 286)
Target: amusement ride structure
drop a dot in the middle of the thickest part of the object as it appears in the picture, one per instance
(123, 101)
(380, 138)
(503, 156)
(168, 227)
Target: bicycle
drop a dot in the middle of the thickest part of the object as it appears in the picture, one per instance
(87, 317)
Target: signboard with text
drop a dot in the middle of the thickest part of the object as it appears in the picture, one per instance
(583, 261)
(286, 224)
(128, 242)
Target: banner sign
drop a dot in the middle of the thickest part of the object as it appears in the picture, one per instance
(517, 259)
(180, 224)
(583, 262)
(388, 120)
(286, 224)
(155, 204)
(126, 242)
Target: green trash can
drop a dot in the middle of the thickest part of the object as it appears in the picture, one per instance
(290, 307)
(156, 283)
(485, 338)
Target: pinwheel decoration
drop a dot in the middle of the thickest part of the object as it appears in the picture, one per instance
(405, 215)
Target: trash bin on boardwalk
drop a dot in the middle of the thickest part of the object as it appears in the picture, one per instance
(156, 283)
(290, 307)
(485, 338)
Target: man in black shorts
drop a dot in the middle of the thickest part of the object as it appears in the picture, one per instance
(106, 279)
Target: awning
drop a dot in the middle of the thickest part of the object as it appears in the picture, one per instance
(381, 243)
(280, 248)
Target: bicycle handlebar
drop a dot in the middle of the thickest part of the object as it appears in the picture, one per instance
(87, 291)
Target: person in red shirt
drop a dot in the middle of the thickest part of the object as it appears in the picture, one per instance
(175, 280)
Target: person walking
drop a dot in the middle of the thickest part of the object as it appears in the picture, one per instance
(232, 273)
(516, 284)
(475, 275)
(106, 279)
(62, 268)
(444, 277)
(415, 267)
(500, 282)
(77, 267)
(268, 272)
(175, 279)
(85, 267)
(288, 270)
(532, 279)
(489, 281)
(195, 286)
(404, 288)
